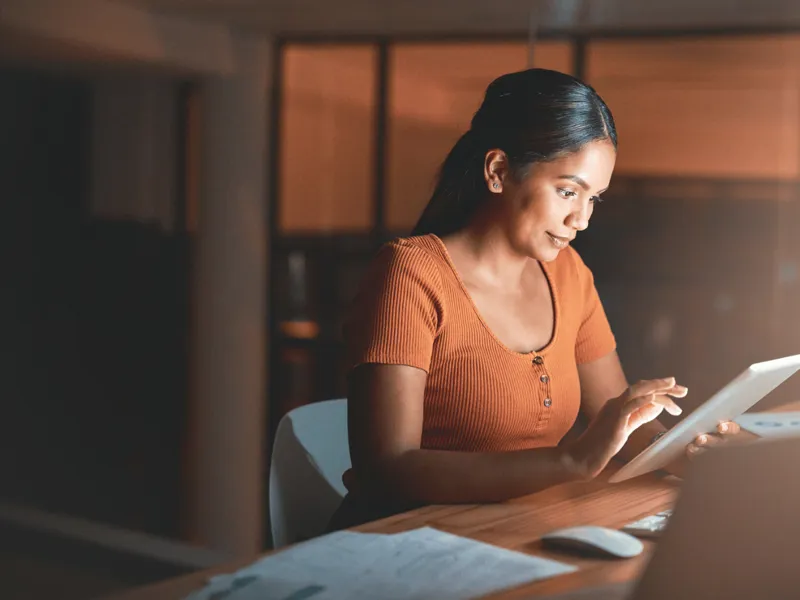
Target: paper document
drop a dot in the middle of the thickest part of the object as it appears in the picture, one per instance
(422, 563)
(771, 424)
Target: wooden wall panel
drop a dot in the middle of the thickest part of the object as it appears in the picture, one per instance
(718, 107)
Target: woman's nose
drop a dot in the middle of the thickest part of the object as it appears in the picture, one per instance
(579, 218)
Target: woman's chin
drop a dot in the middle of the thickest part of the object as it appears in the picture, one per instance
(548, 254)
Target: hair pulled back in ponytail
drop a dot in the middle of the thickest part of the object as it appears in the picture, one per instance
(533, 116)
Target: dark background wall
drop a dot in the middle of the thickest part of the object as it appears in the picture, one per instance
(93, 318)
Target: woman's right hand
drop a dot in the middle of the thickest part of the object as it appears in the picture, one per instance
(607, 433)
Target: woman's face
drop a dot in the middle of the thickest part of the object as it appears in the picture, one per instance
(543, 213)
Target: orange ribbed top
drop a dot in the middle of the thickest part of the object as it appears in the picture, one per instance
(413, 309)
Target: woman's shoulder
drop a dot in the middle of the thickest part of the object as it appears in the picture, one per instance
(399, 301)
(571, 272)
(418, 256)
(427, 248)
(570, 259)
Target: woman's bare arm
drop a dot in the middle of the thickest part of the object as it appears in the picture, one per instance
(385, 407)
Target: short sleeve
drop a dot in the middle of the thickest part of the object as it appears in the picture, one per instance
(397, 311)
(595, 338)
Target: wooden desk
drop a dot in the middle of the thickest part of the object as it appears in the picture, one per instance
(517, 525)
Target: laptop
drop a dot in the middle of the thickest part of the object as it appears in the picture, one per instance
(734, 532)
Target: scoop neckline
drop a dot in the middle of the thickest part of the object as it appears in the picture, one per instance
(553, 299)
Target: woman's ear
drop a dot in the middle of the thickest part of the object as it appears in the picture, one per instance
(495, 170)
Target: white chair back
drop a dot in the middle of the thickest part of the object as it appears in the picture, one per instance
(309, 455)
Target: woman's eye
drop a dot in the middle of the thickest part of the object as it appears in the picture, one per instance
(565, 193)
(596, 199)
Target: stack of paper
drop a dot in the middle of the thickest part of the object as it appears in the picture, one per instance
(422, 563)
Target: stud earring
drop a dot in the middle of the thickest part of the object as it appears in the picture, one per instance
(496, 185)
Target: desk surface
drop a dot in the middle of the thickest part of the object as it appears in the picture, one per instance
(517, 525)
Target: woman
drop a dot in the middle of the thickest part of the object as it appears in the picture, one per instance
(476, 342)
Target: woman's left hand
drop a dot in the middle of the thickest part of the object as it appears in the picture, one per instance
(725, 432)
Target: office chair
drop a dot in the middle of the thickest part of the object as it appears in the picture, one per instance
(309, 455)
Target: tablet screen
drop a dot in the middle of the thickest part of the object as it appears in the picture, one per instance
(727, 404)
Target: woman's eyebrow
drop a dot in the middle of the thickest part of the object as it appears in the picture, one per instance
(577, 180)
(580, 181)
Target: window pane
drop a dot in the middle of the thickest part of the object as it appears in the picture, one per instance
(326, 142)
(725, 107)
(433, 92)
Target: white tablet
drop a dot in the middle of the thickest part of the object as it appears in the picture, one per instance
(736, 397)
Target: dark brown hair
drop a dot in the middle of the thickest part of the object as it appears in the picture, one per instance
(534, 116)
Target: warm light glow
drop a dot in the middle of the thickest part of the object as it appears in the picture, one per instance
(327, 139)
(725, 107)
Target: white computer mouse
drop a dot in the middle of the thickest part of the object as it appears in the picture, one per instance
(593, 540)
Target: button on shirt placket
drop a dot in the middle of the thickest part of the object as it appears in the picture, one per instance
(544, 380)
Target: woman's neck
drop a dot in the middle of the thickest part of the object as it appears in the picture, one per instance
(484, 250)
